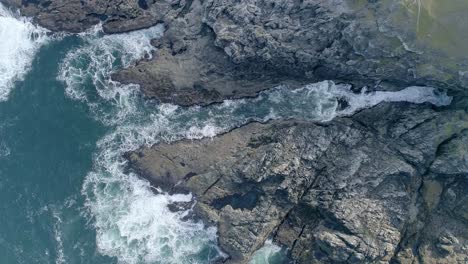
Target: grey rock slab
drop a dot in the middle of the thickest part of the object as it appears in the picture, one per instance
(342, 191)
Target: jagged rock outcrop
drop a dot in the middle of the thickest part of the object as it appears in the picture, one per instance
(387, 185)
(79, 15)
(220, 49)
(190, 69)
(377, 187)
(217, 49)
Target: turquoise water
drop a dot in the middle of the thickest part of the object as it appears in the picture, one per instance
(66, 195)
(50, 141)
(49, 156)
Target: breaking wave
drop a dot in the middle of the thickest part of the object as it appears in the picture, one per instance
(132, 222)
(269, 254)
(93, 63)
(20, 40)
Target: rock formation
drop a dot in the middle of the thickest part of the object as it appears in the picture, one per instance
(364, 189)
(217, 49)
(228, 49)
(387, 185)
(79, 15)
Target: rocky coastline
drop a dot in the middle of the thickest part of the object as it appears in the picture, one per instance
(386, 185)
(364, 189)
(218, 49)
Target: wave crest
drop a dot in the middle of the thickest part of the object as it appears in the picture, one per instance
(20, 40)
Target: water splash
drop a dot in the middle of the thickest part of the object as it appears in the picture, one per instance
(93, 63)
(60, 259)
(132, 222)
(20, 40)
(269, 254)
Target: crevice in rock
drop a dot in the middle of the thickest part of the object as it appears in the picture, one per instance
(445, 142)
(246, 200)
(143, 4)
(212, 185)
(274, 233)
(425, 121)
(298, 237)
(411, 234)
(186, 9)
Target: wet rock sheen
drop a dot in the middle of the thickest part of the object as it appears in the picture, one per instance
(387, 185)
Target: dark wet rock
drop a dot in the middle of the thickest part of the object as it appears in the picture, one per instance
(388, 185)
(79, 15)
(189, 69)
(219, 49)
(374, 188)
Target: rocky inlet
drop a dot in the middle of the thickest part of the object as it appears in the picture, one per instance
(386, 184)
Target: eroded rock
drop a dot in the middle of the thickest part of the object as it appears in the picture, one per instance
(341, 191)
(79, 15)
(219, 49)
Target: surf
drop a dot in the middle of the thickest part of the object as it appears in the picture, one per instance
(21, 39)
(133, 222)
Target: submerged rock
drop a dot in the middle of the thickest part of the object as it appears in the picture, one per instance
(372, 188)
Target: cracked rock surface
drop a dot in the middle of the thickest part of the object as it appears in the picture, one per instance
(388, 185)
(364, 189)
(218, 49)
(79, 15)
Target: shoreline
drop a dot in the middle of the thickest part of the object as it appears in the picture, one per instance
(321, 190)
(226, 199)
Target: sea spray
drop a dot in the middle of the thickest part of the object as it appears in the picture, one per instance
(269, 254)
(132, 222)
(314, 102)
(94, 62)
(20, 40)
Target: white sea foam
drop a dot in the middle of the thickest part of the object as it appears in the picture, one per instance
(134, 224)
(60, 259)
(93, 64)
(19, 41)
(4, 149)
(412, 94)
(317, 102)
(268, 254)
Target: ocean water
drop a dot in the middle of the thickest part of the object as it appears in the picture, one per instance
(20, 40)
(66, 196)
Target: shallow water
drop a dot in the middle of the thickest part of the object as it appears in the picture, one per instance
(64, 125)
